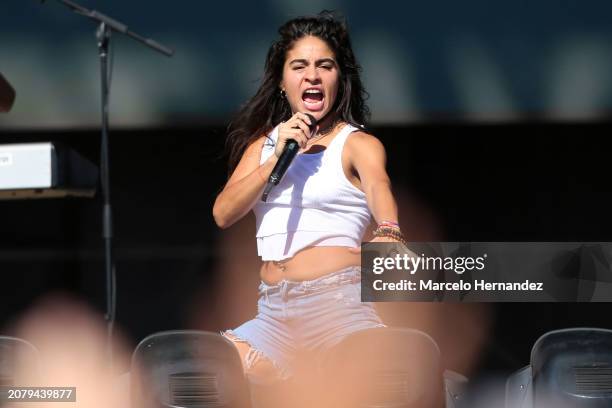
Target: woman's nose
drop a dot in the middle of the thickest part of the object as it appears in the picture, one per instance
(312, 74)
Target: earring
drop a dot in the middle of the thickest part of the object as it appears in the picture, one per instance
(283, 94)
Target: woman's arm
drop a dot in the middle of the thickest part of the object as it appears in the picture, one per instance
(244, 187)
(367, 156)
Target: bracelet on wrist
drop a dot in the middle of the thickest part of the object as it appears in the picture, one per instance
(389, 224)
(394, 237)
(389, 232)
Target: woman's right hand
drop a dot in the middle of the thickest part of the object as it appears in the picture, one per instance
(296, 128)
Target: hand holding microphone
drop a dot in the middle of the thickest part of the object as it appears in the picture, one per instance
(296, 128)
(295, 133)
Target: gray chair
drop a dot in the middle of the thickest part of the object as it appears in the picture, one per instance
(17, 360)
(569, 368)
(390, 368)
(187, 369)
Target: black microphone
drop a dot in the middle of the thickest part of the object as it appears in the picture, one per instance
(285, 159)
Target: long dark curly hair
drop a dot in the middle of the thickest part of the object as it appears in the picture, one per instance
(267, 107)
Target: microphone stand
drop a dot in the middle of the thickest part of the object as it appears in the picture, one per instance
(106, 25)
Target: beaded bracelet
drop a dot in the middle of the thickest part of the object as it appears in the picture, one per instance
(388, 232)
(389, 224)
(391, 231)
(394, 237)
(385, 228)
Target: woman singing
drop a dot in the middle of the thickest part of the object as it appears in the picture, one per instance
(310, 228)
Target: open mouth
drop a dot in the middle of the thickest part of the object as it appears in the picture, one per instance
(313, 99)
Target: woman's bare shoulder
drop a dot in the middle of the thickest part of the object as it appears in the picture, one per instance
(361, 141)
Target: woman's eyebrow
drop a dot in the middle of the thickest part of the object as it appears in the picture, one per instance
(325, 60)
(317, 62)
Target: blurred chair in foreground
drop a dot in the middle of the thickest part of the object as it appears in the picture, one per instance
(569, 368)
(15, 355)
(390, 368)
(187, 369)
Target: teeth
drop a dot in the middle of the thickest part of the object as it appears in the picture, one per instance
(313, 91)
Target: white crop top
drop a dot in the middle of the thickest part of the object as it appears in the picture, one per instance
(313, 205)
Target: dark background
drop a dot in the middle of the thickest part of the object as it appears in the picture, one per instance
(533, 181)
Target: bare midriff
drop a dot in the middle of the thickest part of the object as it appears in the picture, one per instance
(309, 263)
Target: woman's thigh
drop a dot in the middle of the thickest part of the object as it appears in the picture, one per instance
(256, 366)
